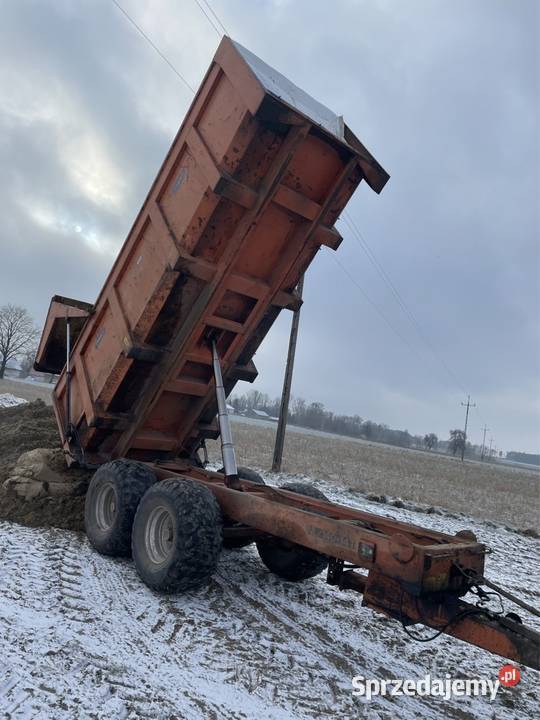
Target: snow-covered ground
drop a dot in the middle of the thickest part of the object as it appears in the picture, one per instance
(81, 637)
(9, 400)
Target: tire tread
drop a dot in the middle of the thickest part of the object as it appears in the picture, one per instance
(131, 480)
(293, 562)
(198, 537)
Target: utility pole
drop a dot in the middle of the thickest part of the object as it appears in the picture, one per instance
(468, 405)
(484, 442)
(287, 382)
(490, 444)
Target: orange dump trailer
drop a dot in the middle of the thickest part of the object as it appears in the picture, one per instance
(248, 193)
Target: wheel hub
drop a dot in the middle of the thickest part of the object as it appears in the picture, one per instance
(159, 535)
(105, 507)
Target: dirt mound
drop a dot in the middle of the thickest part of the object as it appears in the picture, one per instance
(37, 488)
(25, 427)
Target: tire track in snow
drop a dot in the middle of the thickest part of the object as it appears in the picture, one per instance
(248, 646)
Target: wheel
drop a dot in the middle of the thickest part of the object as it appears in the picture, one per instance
(176, 537)
(244, 473)
(289, 560)
(111, 501)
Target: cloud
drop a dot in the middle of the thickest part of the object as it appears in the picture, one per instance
(444, 93)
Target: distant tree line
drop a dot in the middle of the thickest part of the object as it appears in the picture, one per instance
(313, 415)
(523, 457)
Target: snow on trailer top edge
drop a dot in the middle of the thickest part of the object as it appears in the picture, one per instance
(281, 87)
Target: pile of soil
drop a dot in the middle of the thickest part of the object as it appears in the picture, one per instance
(27, 427)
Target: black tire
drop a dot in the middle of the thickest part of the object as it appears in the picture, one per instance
(111, 501)
(289, 560)
(244, 473)
(176, 537)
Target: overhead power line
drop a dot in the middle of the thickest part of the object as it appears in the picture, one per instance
(185, 82)
(208, 18)
(362, 241)
(399, 299)
(209, 6)
(348, 219)
(372, 302)
(154, 46)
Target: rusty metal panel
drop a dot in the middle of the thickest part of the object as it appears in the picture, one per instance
(250, 189)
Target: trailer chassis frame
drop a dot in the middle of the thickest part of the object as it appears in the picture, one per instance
(415, 575)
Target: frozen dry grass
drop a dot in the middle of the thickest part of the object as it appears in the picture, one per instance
(27, 391)
(504, 495)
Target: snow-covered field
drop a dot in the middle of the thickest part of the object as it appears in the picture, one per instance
(81, 637)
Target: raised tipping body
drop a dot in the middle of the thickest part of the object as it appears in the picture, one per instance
(249, 191)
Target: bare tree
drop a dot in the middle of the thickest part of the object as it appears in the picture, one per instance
(431, 441)
(457, 441)
(253, 399)
(17, 334)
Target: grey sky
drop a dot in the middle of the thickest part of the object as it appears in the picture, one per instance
(443, 92)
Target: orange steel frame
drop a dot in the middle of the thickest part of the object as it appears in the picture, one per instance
(415, 575)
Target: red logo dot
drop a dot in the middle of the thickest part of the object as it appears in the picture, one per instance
(509, 675)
